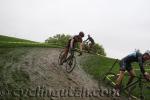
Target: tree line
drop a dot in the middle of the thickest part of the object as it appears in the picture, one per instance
(62, 39)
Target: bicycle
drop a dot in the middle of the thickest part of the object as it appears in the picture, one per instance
(87, 49)
(70, 60)
(129, 89)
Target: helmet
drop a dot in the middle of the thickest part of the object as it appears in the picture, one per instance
(81, 34)
(137, 50)
(147, 52)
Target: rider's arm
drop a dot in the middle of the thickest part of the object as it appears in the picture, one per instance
(141, 65)
(86, 40)
(81, 46)
(145, 74)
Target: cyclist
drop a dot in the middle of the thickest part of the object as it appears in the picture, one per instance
(71, 45)
(125, 64)
(90, 41)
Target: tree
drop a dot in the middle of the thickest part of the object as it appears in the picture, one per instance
(62, 39)
(99, 49)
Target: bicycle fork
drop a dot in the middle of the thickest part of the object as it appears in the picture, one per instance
(141, 88)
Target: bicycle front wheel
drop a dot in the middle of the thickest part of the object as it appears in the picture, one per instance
(70, 64)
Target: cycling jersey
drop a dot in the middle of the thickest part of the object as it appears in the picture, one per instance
(77, 39)
(126, 62)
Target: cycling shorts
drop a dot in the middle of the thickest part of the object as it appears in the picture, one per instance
(125, 66)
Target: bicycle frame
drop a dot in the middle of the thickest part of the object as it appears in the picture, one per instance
(110, 68)
(70, 56)
(111, 77)
(70, 61)
(140, 81)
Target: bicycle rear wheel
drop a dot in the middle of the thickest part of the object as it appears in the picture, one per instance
(70, 64)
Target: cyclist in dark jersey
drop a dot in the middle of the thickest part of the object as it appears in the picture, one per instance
(125, 64)
(72, 43)
(91, 40)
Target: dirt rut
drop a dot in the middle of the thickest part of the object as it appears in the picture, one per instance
(52, 82)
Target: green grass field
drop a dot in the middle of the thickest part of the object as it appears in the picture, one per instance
(6, 41)
(12, 39)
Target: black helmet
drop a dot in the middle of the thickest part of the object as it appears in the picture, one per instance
(81, 34)
(147, 53)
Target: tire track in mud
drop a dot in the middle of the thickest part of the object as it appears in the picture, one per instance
(42, 66)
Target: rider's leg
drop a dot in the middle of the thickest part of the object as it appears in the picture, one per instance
(88, 47)
(119, 79)
(64, 56)
(66, 50)
(66, 53)
(91, 45)
(132, 75)
(118, 83)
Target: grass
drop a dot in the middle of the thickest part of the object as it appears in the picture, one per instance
(27, 44)
(12, 39)
(97, 66)
(9, 42)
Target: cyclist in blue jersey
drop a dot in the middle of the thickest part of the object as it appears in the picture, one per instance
(125, 64)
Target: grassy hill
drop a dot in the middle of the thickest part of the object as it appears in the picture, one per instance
(99, 65)
(6, 41)
(95, 65)
(13, 39)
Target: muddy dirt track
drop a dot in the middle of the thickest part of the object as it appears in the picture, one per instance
(51, 80)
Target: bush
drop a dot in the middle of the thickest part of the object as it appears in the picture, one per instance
(99, 49)
(60, 39)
